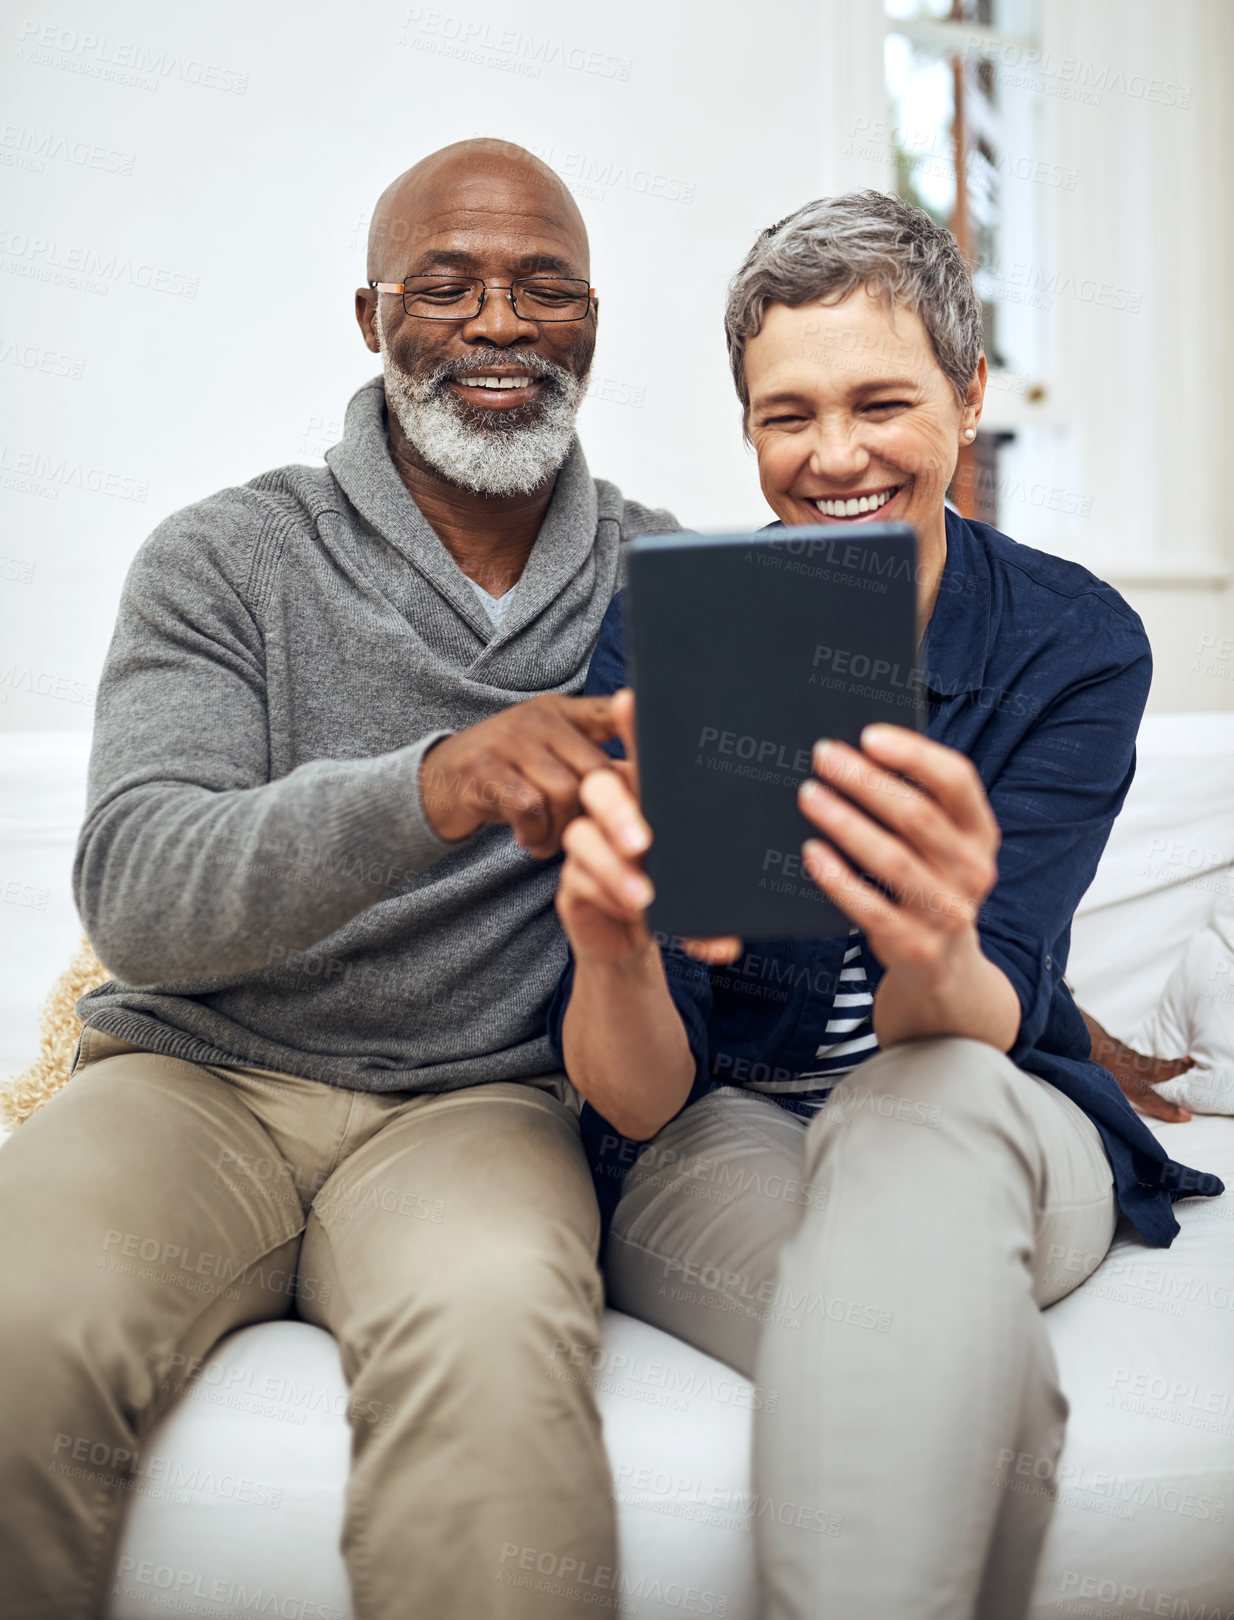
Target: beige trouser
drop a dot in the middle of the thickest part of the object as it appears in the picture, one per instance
(880, 1274)
(448, 1241)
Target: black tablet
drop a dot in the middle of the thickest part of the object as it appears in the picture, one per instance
(744, 649)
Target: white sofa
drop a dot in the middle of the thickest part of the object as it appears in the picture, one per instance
(1145, 1523)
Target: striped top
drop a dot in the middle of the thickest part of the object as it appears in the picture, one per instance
(849, 1038)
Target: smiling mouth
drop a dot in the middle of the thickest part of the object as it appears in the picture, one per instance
(856, 506)
(480, 383)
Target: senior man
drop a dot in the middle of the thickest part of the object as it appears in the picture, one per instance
(336, 737)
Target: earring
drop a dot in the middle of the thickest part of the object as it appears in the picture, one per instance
(970, 433)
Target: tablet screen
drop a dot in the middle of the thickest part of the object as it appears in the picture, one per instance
(744, 650)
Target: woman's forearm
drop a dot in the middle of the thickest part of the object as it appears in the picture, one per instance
(964, 995)
(625, 1045)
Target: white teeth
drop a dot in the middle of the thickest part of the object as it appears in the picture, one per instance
(493, 382)
(858, 505)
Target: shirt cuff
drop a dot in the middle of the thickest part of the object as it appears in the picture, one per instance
(1033, 983)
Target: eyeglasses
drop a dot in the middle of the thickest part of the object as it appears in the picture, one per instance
(461, 298)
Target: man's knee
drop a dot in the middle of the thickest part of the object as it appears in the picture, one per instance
(518, 1285)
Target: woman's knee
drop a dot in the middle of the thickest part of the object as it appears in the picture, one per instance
(917, 1105)
(919, 1082)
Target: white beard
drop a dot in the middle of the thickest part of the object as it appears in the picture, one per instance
(488, 452)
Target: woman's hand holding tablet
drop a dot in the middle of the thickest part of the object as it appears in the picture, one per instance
(913, 815)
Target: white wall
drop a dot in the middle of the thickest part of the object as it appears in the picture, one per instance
(186, 194)
(684, 129)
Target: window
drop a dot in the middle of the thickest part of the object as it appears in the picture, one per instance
(963, 138)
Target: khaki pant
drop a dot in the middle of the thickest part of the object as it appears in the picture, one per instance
(448, 1242)
(880, 1273)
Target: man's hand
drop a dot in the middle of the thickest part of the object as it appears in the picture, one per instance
(603, 891)
(521, 767)
(1137, 1073)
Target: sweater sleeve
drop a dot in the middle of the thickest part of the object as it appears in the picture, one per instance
(191, 863)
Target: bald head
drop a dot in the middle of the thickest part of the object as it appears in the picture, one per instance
(480, 187)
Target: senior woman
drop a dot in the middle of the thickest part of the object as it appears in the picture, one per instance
(872, 1160)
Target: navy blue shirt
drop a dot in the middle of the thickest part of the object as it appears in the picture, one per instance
(1039, 673)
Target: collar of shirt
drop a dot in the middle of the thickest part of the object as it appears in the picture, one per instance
(955, 648)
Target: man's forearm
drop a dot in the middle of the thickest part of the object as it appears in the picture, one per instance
(625, 1045)
(177, 882)
(967, 995)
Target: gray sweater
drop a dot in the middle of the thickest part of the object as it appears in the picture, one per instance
(255, 866)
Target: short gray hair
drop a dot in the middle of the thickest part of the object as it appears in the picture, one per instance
(832, 246)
